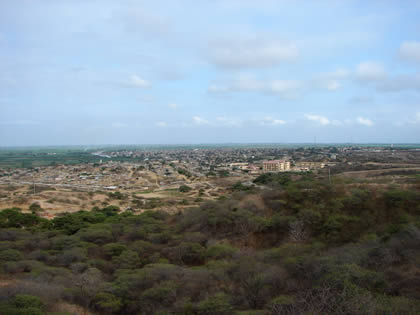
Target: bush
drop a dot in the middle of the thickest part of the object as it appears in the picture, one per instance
(216, 304)
(184, 188)
(35, 207)
(128, 259)
(10, 255)
(114, 249)
(107, 303)
(220, 251)
(22, 304)
(97, 236)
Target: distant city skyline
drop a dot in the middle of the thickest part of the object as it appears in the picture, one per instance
(93, 72)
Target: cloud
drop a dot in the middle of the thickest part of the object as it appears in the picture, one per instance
(336, 122)
(322, 120)
(118, 125)
(365, 121)
(374, 73)
(281, 87)
(161, 124)
(146, 23)
(370, 71)
(251, 52)
(228, 121)
(333, 85)
(413, 120)
(410, 51)
(400, 83)
(339, 74)
(245, 83)
(270, 121)
(330, 81)
(173, 106)
(416, 119)
(200, 121)
(367, 72)
(138, 82)
(213, 88)
(361, 99)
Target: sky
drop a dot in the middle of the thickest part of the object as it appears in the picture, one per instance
(209, 71)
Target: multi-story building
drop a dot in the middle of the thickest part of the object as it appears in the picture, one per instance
(309, 165)
(276, 166)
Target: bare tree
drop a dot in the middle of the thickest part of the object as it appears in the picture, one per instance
(298, 231)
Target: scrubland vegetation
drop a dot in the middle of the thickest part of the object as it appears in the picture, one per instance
(295, 244)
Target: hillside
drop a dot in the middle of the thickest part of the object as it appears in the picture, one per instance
(295, 244)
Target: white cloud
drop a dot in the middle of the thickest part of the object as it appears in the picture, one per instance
(322, 120)
(173, 106)
(336, 123)
(410, 50)
(200, 121)
(161, 124)
(139, 21)
(251, 52)
(416, 119)
(139, 82)
(228, 121)
(271, 121)
(370, 71)
(217, 89)
(339, 74)
(281, 87)
(361, 99)
(413, 120)
(246, 83)
(333, 85)
(365, 121)
(330, 80)
(400, 83)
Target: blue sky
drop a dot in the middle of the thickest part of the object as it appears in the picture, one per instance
(208, 71)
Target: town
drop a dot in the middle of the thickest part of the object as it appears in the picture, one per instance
(178, 178)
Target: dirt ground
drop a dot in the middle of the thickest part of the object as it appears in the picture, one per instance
(56, 199)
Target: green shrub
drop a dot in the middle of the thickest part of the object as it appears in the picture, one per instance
(114, 249)
(96, 235)
(220, 251)
(107, 302)
(10, 255)
(184, 188)
(216, 304)
(128, 259)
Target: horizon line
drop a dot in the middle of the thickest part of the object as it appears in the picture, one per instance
(208, 143)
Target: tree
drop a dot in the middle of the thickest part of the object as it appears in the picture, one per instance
(35, 207)
(216, 304)
(107, 303)
(297, 231)
(184, 188)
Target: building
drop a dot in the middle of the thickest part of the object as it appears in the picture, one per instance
(276, 166)
(309, 165)
(241, 166)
